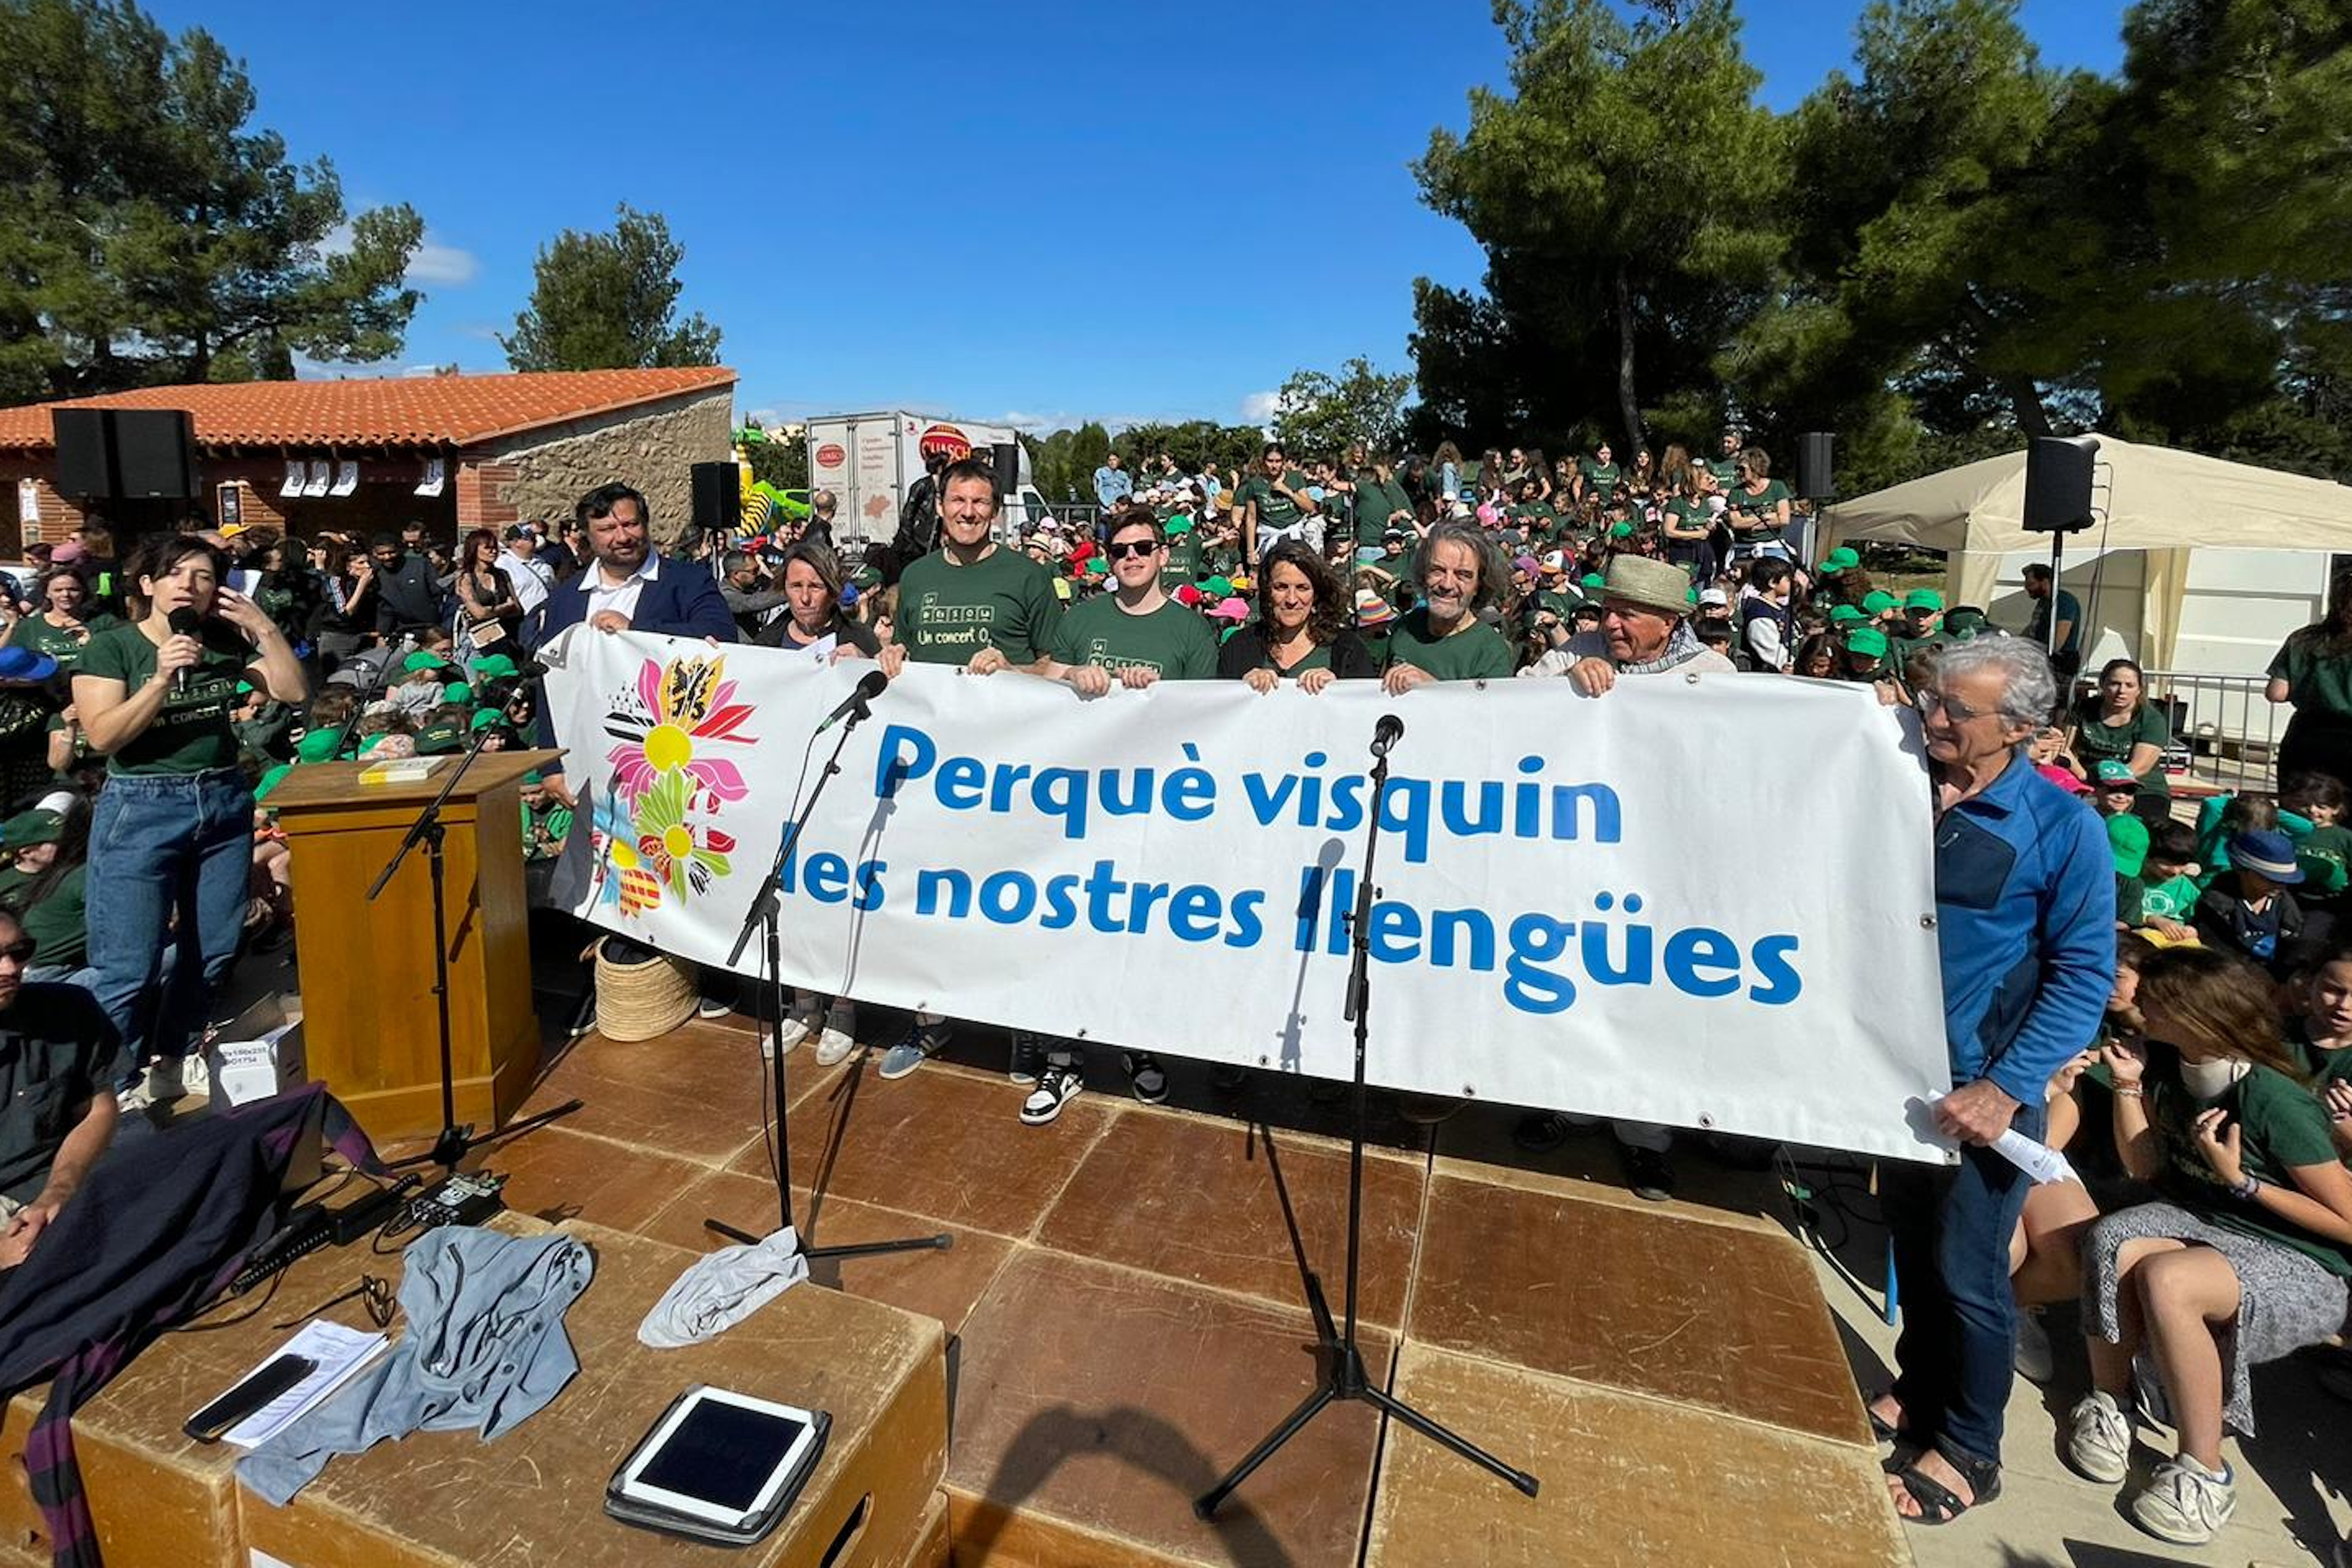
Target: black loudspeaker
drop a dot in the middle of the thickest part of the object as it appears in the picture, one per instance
(1006, 456)
(2058, 472)
(1813, 472)
(717, 497)
(125, 454)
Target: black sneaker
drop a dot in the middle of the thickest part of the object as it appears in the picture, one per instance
(1648, 1172)
(1056, 1087)
(709, 1005)
(1541, 1131)
(1147, 1076)
(1028, 1056)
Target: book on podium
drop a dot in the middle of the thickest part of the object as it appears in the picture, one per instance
(368, 1026)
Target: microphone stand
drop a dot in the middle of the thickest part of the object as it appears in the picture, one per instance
(455, 1143)
(765, 916)
(1341, 1374)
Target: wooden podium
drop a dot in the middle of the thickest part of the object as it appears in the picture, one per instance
(369, 1026)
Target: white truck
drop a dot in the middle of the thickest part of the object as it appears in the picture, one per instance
(870, 460)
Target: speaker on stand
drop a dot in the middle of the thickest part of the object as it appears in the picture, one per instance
(718, 504)
(1814, 482)
(125, 454)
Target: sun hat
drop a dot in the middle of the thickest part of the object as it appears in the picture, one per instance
(1713, 596)
(439, 740)
(68, 552)
(1922, 599)
(2265, 851)
(1653, 585)
(423, 658)
(2062, 778)
(1593, 581)
(1878, 601)
(645, 999)
(484, 718)
(1179, 524)
(1842, 615)
(1527, 564)
(23, 664)
(1837, 561)
(1231, 608)
(1218, 587)
(2128, 842)
(1372, 609)
(317, 746)
(1620, 531)
(1867, 640)
(1967, 623)
(1188, 595)
(495, 666)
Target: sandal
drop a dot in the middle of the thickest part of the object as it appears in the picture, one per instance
(1881, 1428)
(1938, 1504)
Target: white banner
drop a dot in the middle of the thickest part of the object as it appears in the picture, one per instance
(1706, 902)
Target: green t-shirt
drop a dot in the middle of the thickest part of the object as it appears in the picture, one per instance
(1183, 563)
(1276, 513)
(61, 933)
(2317, 681)
(1376, 503)
(1726, 471)
(35, 633)
(1478, 652)
(1171, 641)
(2281, 1125)
(2174, 899)
(1604, 476)
(1765, 504)
(1003, 600)
(556, 819)
(2096, 741)
(2324, 853)
(193, 733)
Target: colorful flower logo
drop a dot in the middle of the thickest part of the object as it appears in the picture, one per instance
(646, 829)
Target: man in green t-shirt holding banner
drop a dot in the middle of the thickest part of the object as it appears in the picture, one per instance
(1134, 637)
(970, 603)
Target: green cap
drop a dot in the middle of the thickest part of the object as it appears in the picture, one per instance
(1595, 581)
(1966, 623)
(1097, 566)
(439, 740)
(486, 717)
(534, 778)
(1620, 531)
(1218, 587)
(245, 688)
(2128, 842)
(495, 666)
(28, 827)
(271, 780)
(1922, 599)
(2113, 774)
(1178, 524)
(1867, 639)
(1841, 615)
(1877, 601)
(422, 659)
(1839, 559)
(456, 691)
(317, 746)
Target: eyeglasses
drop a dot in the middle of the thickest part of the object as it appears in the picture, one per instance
(1929, 700)
(1131, 547)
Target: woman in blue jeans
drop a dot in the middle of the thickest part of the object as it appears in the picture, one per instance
(171, 833)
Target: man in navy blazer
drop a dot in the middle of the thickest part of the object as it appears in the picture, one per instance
(627, 586)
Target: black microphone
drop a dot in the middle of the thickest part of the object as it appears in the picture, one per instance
(1386, 734)
(869, 686)
(184, 623)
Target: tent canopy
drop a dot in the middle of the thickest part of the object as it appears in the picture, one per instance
(2149, 498)
(2152, 498)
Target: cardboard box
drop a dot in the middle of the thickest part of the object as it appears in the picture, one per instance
(258, 1053)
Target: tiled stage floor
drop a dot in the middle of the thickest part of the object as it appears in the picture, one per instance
(1128, 1317)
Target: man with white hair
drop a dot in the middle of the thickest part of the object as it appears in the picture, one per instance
(2025, 913)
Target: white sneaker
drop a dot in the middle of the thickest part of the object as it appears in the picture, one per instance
(793, 1033)
(2098, 1442)
(167, 1079)
(2035, 1360)
(833, 1046)
(195, 1078)
(2185, 1503)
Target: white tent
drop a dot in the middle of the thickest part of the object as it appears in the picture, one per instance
(2152, 499)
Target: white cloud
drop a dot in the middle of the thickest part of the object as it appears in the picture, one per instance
(445, 264)
(1258, 407)
(765, 418)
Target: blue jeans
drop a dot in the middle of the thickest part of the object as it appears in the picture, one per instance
(160, 845)
(1951, 1227)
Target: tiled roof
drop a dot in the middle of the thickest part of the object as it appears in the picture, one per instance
(403, 411)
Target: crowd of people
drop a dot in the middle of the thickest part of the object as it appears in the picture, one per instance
(2162, 993)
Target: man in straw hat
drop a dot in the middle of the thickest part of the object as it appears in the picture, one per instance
(1645, 609)
(1645, 630)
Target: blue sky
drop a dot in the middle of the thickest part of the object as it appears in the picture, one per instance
(1047, 211)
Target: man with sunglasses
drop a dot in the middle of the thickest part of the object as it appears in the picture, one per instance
(56, 1053)
(1132, 636)
(2025, 911)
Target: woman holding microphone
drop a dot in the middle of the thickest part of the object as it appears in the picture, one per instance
(172, 831)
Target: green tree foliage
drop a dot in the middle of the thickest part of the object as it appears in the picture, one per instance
(1626, 192)
(151, 236)
(1194, 444)
(609, 302)
(1319, 414)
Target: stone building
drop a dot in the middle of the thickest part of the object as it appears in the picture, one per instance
(355, 456)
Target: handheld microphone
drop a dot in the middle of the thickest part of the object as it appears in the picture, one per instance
(184, 623)
(1386, 734)
(869, 686)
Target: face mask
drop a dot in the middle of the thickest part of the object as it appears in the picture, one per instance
(2211, 1080)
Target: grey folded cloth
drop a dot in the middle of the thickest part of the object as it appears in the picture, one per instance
(485, 1348)
(722, 1289)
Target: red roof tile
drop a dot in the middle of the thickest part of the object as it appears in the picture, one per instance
(402, 411)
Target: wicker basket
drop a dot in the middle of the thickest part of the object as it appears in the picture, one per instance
(643, 1001)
